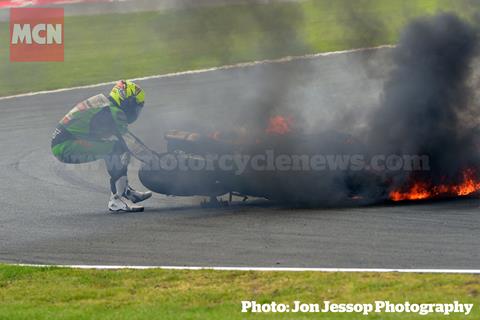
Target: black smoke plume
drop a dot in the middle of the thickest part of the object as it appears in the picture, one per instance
(428, 106)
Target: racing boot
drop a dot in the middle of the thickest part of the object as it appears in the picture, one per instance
(122, 204)
(136, 196)
(118, 202)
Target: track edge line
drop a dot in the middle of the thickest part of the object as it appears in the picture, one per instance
(261, 269)
(199, 71)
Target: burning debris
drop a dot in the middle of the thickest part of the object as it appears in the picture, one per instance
(426, 110)
(419, 190)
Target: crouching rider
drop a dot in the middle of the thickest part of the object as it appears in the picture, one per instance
(93, 130)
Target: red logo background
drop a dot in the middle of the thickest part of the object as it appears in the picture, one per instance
(23, 52)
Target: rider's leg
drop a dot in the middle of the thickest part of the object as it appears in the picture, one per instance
(117, 165)
(77, 151)
(83, 151)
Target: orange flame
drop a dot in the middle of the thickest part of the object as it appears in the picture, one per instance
(279, 125)
(422, 190)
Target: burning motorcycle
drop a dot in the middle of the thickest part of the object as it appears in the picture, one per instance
(276, 166)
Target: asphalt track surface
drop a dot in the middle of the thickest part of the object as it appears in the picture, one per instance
(56, 214)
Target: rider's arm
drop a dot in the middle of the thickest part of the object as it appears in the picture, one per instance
(120, 121)
(120, 124)
(110, 121)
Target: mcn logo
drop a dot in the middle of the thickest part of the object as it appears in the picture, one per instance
(36, 34)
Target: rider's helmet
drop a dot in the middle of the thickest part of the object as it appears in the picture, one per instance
(129, 97)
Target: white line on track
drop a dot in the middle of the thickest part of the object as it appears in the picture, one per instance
(227, 67)
(279, 269)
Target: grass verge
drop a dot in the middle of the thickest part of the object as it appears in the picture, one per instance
(109, 47)
(57, 293)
